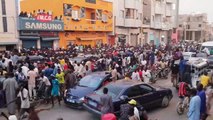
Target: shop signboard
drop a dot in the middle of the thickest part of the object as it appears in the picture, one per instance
(41, 22)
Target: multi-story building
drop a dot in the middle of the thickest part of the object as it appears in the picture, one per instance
(158, 20)
(8, 29)
(193, 27)
(86, 22)
(128, 21)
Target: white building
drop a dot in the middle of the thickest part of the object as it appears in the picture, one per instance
(159, 18)
(128, 21)
(8, 26)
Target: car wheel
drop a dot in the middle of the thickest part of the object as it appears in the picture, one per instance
(165, 102)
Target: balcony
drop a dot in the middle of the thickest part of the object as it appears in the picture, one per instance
(130, 4)
(130, 23)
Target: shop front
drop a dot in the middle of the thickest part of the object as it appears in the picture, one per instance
(39, 32)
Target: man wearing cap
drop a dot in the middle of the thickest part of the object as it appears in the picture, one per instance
(124, 109)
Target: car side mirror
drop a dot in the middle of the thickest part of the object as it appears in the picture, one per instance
(124, 98)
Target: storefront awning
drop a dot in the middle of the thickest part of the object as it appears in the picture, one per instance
(50, 38)
(8, 43)
(29, 38)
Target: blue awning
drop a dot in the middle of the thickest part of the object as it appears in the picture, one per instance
(29, 38)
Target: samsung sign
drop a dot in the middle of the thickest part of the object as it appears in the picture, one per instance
(33, 24)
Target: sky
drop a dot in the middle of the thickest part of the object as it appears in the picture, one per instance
(197, 6)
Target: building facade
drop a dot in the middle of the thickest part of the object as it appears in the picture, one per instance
(194, 27)
(8, 26)
(159, 20)
(86, 22)
(128, 21)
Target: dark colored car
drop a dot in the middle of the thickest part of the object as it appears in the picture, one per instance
(210, 61)
(124, 90)
(74, 97)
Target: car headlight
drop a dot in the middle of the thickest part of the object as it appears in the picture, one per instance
(81, 99)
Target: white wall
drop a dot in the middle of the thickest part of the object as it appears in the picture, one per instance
(11, 36)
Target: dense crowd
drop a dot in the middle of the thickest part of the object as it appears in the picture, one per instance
(56, 72)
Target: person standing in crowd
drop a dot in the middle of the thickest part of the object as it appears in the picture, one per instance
(10, 67)
(25, 103)
(114, 74)
(55, 90)
(201, 93)
(32, 83)
(182, 66)
(106, 102)
(47, 87)
(135, 75)
(60, 77)
(70, 79)
(48, 71)
(10, 86)
(25, 70)
(174, 75)
(204, 79)
(131, 114)
(194, 106)
(146, 75)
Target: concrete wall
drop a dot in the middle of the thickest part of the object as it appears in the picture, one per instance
(10, 37)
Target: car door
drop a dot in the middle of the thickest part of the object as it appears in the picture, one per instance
(134, 92)
(149, 96)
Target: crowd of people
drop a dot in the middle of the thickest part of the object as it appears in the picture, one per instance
(57, 73)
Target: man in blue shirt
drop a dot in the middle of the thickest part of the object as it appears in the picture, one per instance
(201, 93)
(194, 106)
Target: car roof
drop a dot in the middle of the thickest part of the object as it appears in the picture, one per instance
(126, 83)
(100, 73)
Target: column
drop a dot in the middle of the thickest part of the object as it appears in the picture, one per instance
(193, 35)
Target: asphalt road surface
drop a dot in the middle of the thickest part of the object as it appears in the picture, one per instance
(67, 113)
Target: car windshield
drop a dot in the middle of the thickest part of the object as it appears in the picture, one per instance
(90, 81)
(113, 91)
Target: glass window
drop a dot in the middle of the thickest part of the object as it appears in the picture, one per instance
(130, 13)
(91, 81)
(98, 14)
(75, 14)
(5, 24)
(91, 1)
(145, 89)
(3, 7)
(134, 91)
(67, 10)
(113, 91)
(82, 12)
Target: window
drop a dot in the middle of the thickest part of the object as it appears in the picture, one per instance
(199, 25)
(130, 13)
(91, 1)
(104, 18)
(75, 14)
(121, 14)
(98, 14)
(145, 89)
(5, 24)
(3, 7)
(134, 91)
(67, 10)
(82, 12)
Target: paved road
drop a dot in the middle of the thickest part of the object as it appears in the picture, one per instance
(66, 113)
(157, 114)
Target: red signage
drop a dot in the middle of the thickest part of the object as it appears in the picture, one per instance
(44, 18)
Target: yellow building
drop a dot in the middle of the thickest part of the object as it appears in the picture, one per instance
(86, 22)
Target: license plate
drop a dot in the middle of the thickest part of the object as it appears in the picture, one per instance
(92, 103)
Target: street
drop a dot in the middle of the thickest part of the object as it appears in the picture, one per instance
(72, 114)
(157, 114)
